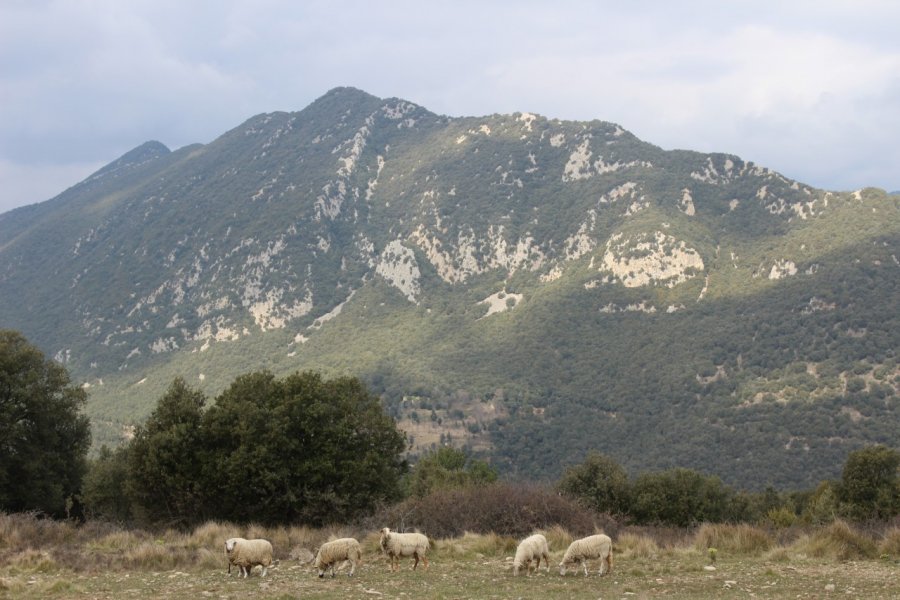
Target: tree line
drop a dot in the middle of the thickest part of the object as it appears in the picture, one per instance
(303, 449)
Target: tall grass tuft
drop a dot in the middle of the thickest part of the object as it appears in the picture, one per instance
(735, 539)
(890, 544)
(632, 545)
(837, 541)
(213, 534)
(33, 560)
(474, 544)
(558, 537)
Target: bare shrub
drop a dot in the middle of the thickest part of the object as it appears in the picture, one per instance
(736, 539)
(19, 531)
(507, 509)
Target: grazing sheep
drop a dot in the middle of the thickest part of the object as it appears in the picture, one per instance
(229, 546)
(594, 546)
(246, 554)
(396, 545)
(338, 551)
(532, 548)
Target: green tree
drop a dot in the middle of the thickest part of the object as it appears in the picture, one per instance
(165, 459)
(44, 438)
(300, 449)
(104, 492)
(680, 497)
(448, 468)
(869, 486)
(599, 481)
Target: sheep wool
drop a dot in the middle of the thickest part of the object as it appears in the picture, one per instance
(589, 548)
(229, 547)
(532, 549)
(397, 545)
(246, 554)
(338, 551)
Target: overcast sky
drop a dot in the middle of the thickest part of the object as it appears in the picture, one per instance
(810, 89)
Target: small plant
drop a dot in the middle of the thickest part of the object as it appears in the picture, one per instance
(712, 555)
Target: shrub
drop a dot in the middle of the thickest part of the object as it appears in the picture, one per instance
(503, 508)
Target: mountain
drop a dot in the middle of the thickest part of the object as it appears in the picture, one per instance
(529, 287)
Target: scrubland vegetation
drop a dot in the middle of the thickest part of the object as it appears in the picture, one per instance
(302, 460)
(41, 558)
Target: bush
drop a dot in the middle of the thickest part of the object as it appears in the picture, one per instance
(503, 508)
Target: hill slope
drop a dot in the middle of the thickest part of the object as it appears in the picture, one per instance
(531, 287)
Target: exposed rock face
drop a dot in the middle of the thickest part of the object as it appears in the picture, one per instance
(650, 259)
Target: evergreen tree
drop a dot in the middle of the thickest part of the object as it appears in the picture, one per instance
(164, 459)
(870, 484)
(300, 449)
(44, 438)
(599, 482)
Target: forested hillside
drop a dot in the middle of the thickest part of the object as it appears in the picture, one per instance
(529, 288)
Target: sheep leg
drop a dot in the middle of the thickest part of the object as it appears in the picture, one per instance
(415, 564)
(607, 562)
(265, 570)
(425, 560)
(584, 564)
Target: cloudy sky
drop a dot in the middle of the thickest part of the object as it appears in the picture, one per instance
(808, 88)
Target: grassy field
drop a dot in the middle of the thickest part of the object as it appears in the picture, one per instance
(834, 561)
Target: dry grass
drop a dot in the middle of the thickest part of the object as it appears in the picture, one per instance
(96, 561)
(889, 545)
(632, 545)
(837, 541)
(740, 539)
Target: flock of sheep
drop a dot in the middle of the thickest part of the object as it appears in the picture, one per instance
(246, 554)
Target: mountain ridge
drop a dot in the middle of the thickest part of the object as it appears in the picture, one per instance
(446, 247)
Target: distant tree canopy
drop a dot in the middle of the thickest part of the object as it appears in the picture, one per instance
(448, 468)
(44, 438)
(868, 489)
(298, 449)
(600, 482)
(870, 483)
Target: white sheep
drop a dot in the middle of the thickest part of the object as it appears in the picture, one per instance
(397, 545)
(591, 547)
(532, 548)
(229, 546)
(338, 551)
(246, 554)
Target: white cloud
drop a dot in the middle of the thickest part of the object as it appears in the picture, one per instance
(807, 88)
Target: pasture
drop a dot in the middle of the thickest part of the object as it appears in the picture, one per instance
(71, 563)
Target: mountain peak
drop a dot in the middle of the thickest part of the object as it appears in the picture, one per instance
(147, 151)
